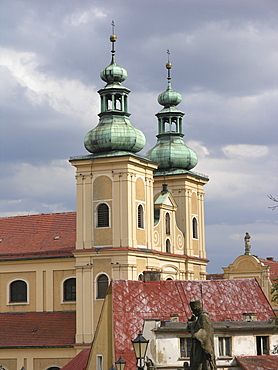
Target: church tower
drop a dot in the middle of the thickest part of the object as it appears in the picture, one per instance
(175, 162)
(123, 230)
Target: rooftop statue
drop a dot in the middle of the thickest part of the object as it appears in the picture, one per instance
(200, 326)
(247, 243)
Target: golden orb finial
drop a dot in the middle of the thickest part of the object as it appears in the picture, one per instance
(168, 65)
(113, 38)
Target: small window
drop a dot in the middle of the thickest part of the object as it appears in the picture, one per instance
(53, 368)
(103, 215)
(168, 246)
(262, 345)
(195, 228)
(167, 222)
(140, 212)
(102, 286)
(185, 347)
(18, 291)
(99, 362)
(70, 290)
(224, 344)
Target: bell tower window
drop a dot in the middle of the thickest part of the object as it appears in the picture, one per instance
(194, 228)
(140, 217)
(168, 246)
(103, 215)
(167, 224)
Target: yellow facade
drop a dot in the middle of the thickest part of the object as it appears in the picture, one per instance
(249, 266)
(44, 278)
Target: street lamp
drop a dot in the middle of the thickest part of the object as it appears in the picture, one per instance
(112, 368)
(120, 364)
(140, 345)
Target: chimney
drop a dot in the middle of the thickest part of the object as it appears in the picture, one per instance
(250, 316)
(174, 317)
(151, 276)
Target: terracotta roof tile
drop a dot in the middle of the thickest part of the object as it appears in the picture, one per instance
(258, 362)
(34, 236)
(37, 329)
(79, 362)
(215, 276)
(134, 301)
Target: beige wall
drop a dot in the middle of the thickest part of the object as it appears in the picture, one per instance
(44, 278)
(36, 359)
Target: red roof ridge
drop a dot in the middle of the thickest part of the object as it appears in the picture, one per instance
(40, 214)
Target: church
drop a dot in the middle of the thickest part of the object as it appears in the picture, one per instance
(135, 214)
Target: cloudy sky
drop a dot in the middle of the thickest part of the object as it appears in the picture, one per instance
(225, 64)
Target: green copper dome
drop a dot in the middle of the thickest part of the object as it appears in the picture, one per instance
(172, 153)
(170, 150)
(114, 131)
(113, 72)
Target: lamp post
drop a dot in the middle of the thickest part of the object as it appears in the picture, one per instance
(140, 345)
(120, 364)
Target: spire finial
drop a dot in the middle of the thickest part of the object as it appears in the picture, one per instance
(169, 66)
(113, 37)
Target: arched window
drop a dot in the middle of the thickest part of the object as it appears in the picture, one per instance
(103, 215)
(53, 368)
(168, 246)
(169, 278)
(167, 222)
(70, 290)
(18, 291)
(102, 286)
(140, 217)
(194, 228)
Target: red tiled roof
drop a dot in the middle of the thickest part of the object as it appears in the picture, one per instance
(215, 276)
(134, 301)
(34, 236)
(258, 362)
(79, 362)
(37, 329)
(273, 267)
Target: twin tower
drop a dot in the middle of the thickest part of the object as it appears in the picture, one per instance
(135, 213)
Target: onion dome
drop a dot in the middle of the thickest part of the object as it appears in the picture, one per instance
(170, 151)
(113, 72)
(169, 97)
(114, 131)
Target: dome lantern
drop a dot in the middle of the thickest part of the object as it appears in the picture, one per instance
(114, 131)
(170, 151)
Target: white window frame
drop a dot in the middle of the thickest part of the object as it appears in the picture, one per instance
(268, 345)
(195, 227)
(96, 284)
(62, 290)
(96, 216)
(223, 339)
(99, 362)
(8, 292)
(185, 342)
(143, 216)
